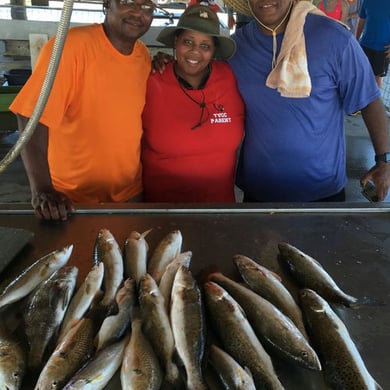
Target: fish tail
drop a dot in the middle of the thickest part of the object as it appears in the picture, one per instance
(366, 301)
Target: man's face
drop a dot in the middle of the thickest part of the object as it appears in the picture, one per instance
(128, 19)
(270, 12)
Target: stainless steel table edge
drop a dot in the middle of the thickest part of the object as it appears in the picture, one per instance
(212, 208)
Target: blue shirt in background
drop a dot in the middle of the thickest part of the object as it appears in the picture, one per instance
(376, 32)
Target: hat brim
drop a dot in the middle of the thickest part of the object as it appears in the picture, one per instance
(225, 49)
(239, 6)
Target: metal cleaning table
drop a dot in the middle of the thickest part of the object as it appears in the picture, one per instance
(351, 241)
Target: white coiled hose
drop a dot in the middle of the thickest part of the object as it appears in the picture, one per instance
(25, 135)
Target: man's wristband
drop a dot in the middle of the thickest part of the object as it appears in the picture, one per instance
(385, 157)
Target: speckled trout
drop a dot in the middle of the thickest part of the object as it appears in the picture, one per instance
(83, 298)
(342, 363)
(136, 255)
(167, 249)
(269, 285)
(107, 251)
(188, 326)
(238, 337)
(309, 273)
(115, 326)
(30, 277)
(232, 375)
(12, 361)
(69, 356)
(275, 330)
(140, 368)
(45, 311)
(157, 328)
(98, 371)
(168, 276)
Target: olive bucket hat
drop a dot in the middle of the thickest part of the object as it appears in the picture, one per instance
(202, 19)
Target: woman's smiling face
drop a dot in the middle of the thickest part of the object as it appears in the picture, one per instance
(194, 50)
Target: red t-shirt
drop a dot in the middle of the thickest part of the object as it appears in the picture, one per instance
(336, 13)
(185, 165)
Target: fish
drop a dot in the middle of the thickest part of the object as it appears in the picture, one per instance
(157, 328)
(13, 359)
(238, 337)
(136, 255)
(45, 311)
(188, 326)
(115, 326)
(69, 355)
(232, 375)
(82, 300)
(342, 363)
(108, 252)
(140, 368)
(34, 274)
(167, 249)
(99, 370)
(269, 285)
(275, 330)
(166, 281)
(309, 273)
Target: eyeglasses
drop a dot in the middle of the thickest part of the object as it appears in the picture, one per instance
(145, 8)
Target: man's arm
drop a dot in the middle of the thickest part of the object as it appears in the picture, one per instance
(46, 201)
(375, 118)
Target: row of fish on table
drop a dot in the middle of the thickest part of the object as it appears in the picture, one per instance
(147, 317)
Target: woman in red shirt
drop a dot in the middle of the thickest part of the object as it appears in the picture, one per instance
(194, 116)
(336, 9)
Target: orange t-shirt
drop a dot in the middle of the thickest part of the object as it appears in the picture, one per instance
(93, 115)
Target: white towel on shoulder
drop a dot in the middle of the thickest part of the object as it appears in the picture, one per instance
(291, 76)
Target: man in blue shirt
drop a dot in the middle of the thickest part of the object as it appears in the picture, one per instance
(294, 147)
(373, 32)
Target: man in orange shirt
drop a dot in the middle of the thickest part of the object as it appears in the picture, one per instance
(86, 147)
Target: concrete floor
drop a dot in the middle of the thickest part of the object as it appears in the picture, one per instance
(14, 185)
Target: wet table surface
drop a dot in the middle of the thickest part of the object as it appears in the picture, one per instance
(351, 242)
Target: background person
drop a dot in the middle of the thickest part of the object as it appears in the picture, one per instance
(194, 116)
(336, 9)
(353, 14)
(86, 147)
(373, 33)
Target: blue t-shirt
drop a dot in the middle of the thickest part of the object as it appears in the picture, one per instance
(294, 148)
(376, 32)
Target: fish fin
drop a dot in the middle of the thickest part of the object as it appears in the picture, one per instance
(144, 234)
(367, 301)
